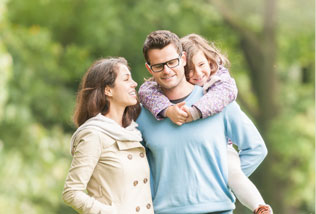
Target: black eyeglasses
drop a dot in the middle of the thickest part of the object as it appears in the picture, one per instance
(171, 64)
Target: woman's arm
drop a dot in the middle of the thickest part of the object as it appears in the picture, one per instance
(85, 158)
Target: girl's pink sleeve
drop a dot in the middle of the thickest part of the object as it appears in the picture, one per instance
(218, 93)
(153, 99)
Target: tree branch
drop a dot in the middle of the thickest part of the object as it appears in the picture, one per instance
(269, 18)
(231, 20)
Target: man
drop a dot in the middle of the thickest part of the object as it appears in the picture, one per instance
(188, 163)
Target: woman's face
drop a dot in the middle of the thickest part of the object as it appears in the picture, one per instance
(201, 69)
(123, 92)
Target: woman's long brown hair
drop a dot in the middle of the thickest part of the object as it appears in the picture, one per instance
(91, 99)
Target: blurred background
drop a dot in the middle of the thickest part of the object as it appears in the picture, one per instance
(47, 45)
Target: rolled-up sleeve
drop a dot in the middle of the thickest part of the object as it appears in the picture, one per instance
(242, 132)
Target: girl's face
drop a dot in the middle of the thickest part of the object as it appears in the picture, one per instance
(201, 69)
(123, 93)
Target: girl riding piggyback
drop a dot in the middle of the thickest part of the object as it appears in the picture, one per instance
(206, 67)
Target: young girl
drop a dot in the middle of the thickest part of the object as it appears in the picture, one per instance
(205, 67)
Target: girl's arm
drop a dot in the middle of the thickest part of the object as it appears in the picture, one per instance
(153, 99)
(220, 90)
(158, 104)
(85, 158)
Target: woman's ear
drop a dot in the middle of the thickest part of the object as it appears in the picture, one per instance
(108, 91)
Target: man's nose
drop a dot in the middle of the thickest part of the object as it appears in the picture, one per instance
(166, 69)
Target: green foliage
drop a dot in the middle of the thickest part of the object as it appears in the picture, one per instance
(5, 69)
(292, 137)
(32, 180)
(44, 74)
(46, 46)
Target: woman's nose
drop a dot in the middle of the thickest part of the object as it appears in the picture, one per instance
(134, 84)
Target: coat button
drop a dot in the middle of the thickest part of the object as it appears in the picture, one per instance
(141, 155)
(148, 206)
(135, 183)
(130, 156)
(145, 180)
(137, 209)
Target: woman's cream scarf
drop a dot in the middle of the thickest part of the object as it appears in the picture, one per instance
(110, 128)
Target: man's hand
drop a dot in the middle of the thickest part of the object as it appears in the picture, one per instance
(177, 114)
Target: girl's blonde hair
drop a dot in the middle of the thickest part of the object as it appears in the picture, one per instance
(193, 43)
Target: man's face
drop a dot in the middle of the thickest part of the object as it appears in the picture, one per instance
(168, 78)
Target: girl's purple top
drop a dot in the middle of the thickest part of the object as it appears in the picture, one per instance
(218, 94)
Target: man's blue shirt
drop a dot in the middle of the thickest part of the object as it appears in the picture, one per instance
(188, 163)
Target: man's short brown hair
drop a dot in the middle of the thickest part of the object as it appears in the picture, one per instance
(160, 39)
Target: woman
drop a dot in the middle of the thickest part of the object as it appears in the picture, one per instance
(108, 160)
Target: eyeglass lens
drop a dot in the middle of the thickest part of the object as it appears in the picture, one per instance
(171, 64)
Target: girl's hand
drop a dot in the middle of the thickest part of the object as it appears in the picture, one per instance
(177, 114)
(187, 110)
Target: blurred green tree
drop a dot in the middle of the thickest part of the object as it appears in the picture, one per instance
(46, 46)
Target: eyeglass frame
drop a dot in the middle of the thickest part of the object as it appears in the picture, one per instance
(165, 63)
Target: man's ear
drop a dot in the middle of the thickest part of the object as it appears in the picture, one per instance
(108, 91)
(184, 58)
(148, 68)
